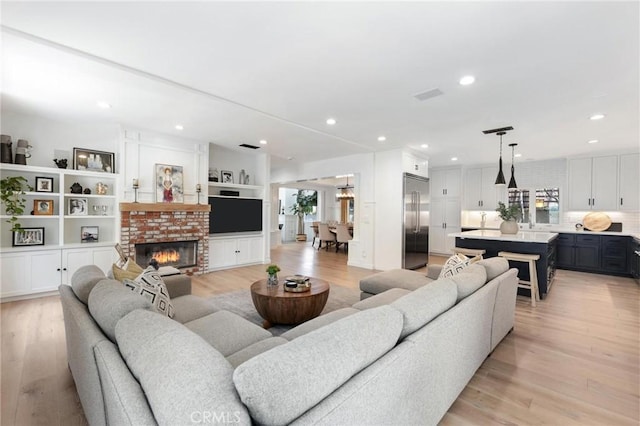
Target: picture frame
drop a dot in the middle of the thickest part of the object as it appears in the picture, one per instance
(226, 176)
(78, 207)
(28, 237)
(169, 184)
(89, 234)
(43, 207)
(93, 161)
(44, 184)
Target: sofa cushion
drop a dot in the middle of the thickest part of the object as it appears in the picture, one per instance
(150, 285)
(454, 265)
(469, 280)
(395, 278)
(182, 376)
(424, 304)
(188, 308)
(317, 322)
(84, 280)
(227, 332)
(384, 298)
(130, 270)
(279, 385)
(110, 301)
(494, 266)
(255, 349)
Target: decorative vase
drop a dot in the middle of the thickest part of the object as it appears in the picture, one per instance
(273, 279)
(509, 227)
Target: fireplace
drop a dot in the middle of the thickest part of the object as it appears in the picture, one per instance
(179, 254)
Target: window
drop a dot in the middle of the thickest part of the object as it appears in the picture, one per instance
(543, 208)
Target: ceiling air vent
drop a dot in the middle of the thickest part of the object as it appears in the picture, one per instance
(246, 145)
(423, 96)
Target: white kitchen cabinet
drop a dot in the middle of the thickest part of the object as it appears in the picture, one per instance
(629, 196)
(414, 165)
(444, 220)
(593, 183)
(30, 272)
(445, 182)
(234, 251)
(480, 191)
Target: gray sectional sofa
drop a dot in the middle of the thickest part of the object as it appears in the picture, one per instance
(398, 357)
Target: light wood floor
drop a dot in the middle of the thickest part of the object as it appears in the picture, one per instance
(572, 360)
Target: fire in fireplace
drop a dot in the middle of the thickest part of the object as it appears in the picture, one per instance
(179, 254)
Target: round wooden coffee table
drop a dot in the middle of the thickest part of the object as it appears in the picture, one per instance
(277, 306)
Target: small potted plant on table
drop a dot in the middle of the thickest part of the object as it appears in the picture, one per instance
(273, 270)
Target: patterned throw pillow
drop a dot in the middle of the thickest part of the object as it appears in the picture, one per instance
(454, 265)
(150, 285)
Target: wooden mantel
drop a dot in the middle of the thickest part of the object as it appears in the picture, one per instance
(164, 207)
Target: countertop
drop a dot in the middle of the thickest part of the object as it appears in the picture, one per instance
(563, 230)
(521, 236)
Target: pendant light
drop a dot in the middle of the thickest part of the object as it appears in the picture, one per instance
(512, 181)
(345, 192)
(500, 178)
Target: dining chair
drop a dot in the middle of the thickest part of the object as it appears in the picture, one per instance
(325, 236)
(316, 233)
(343, 236)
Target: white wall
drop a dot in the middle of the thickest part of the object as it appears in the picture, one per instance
(51, 139)
(142, 150)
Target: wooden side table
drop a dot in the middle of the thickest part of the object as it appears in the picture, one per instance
(277, 306)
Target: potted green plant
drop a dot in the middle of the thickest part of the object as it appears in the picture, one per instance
(508, 215)
(306, 200)
(12, 191)
(272, 270)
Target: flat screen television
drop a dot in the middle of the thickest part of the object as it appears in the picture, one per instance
(233, 214)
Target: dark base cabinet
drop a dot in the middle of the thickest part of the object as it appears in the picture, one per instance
(545, 266)
(601, 254)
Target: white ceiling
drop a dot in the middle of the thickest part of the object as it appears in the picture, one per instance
(238, 72)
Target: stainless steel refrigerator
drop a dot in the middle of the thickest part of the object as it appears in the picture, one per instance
(416, 222)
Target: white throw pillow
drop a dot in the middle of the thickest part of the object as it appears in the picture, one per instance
(454, 265)
(150, 285)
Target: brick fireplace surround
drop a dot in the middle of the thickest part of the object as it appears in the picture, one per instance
(161, 222)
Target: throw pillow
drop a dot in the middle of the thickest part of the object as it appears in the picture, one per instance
(130, 270)
(454, 265)
(150, 285)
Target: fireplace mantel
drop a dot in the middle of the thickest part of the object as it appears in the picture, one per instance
(164, 207)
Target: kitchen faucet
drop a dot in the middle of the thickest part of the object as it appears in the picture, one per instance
(483, 219)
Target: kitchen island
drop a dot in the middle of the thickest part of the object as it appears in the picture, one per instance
(542, 243)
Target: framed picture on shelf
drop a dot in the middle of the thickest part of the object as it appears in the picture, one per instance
(42, 207)
(78, 207)
(169, 184)
(89, 234)
(28, 237)
(93, 161)
(44, 184)
(226, 176)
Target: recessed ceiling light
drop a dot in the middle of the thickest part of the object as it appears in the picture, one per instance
(381, 138)
(454, 158)
(104, 105)
(593, 141)
(290, 158)
(467, 80)
(424, 145)
(263, 142)
(518, 155)
(331, 121)
(598, 116)
(179, 127)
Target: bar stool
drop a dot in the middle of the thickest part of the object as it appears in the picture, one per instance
(469, 252)
(532, 284)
